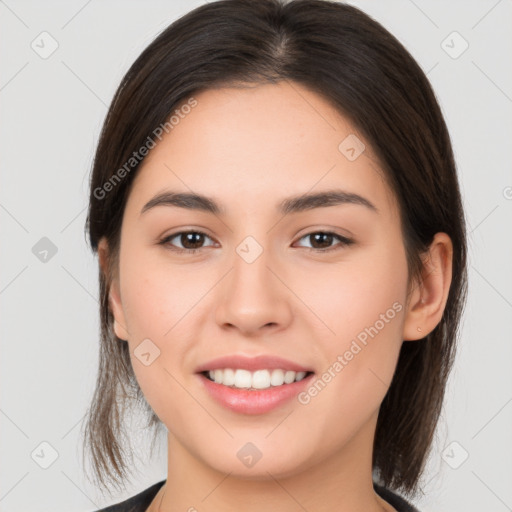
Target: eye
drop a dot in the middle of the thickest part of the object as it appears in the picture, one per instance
(191, 241)
(324, 239)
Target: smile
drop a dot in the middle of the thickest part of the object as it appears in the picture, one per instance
(249, 399)
(259, 379)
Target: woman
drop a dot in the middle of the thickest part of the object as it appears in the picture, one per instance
(275, 207)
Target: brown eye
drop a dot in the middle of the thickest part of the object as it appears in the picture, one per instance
(191, 241)
(322, 241)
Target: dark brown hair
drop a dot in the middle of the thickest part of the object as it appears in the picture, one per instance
(342, 54)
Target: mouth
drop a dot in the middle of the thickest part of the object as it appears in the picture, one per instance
(255, 380)
(253, 385)
(254, 392)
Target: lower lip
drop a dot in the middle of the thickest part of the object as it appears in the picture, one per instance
(253, 402)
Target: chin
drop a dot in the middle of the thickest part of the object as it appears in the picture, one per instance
(255, 457)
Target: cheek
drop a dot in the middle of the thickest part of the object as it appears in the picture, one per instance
(156, 300)
(363, 305)
(155, 295)
(350, 297)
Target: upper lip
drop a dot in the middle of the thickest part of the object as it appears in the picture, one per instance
(252, 363)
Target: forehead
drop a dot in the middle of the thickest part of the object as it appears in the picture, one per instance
(260, 142)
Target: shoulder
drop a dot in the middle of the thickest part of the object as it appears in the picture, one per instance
(138, 503)
(399, 503)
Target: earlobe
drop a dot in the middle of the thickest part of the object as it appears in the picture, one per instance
(428, 297)
(114, 296)
(117, 311)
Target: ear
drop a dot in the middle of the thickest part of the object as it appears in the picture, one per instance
(428, 297)
(114, 296)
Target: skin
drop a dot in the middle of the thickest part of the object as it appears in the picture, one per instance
(249, 149)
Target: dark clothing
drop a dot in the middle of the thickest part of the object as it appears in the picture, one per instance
(140, 502)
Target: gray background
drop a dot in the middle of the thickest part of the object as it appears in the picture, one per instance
(52, 111)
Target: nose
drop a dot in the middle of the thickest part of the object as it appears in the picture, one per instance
(254, 298)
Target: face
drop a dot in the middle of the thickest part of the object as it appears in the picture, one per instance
(320, 284)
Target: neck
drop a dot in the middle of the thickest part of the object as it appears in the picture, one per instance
(341, 482)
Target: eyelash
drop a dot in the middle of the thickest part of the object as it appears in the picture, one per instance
(344, 242)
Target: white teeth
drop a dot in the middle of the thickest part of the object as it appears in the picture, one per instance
(289, 377)
(243, 379)
(260, 379)
(277, 378)
(228, 377)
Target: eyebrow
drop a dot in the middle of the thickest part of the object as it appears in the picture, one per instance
(303, 202)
